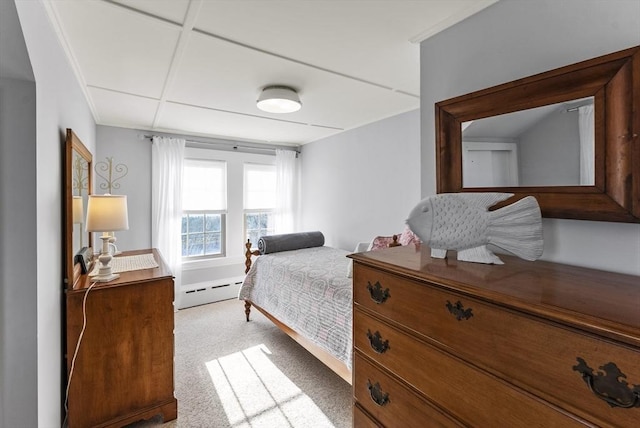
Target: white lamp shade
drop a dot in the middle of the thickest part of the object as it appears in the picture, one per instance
(107, 213)
(279, 99)
(77, 209)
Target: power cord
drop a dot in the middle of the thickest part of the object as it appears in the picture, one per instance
(75, 353)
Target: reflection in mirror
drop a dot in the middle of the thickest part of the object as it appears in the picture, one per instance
(79, 189)
(552, 145)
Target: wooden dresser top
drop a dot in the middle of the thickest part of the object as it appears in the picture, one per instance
(604, 303)
(130, 276)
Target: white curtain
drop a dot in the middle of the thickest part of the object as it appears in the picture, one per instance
(587, 145)
(167, 159)
(286, 211)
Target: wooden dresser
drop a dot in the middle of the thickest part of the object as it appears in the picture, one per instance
(124, 367)
(524, 344)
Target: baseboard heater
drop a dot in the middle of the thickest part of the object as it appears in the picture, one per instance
(210, 291)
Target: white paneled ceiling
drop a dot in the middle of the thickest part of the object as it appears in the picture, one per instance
(196, 67)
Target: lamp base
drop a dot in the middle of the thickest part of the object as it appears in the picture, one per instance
(105, 278)
(104, 273)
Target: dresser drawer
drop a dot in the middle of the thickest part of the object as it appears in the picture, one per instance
(391, 403)
(536, 355)
(466, 392)
(362, 420)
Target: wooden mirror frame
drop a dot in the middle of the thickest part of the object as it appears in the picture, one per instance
(614, 82)
(73, 145)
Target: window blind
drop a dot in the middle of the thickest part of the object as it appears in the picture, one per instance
(259, 186)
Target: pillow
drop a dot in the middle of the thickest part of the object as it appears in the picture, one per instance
(380, 242)
(407, 237)
(290, 241)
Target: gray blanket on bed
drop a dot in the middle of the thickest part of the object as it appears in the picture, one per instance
(290, 241)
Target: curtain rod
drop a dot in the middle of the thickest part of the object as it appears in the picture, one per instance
(575, 108)
(231, 145)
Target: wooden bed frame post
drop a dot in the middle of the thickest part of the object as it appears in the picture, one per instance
(247, 255)
(247, 263)
(247, 309)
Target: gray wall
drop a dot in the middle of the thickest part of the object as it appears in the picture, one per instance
(18, 295)
(18, 278)
(59, 104)
(124, 146)
(513, 39)
(363, 182)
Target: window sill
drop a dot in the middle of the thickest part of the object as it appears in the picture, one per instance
(209, 263)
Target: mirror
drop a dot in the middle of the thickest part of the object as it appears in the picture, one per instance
(78, 185)
(609, 189)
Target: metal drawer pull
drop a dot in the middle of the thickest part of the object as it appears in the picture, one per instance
(378, 295)
(608, 386)
(459, 311)
(375, 340)
(378, 397)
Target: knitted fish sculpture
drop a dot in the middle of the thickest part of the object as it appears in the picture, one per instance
(462, 222)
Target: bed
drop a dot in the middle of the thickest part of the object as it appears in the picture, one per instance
(307, 293)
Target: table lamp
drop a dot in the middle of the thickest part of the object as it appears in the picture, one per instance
(106, 213)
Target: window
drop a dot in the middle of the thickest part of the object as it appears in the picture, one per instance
(204, 206)
(259, 200)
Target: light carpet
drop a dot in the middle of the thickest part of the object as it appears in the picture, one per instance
(234, 374)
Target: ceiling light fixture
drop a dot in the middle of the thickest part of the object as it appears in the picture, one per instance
(279, 99)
